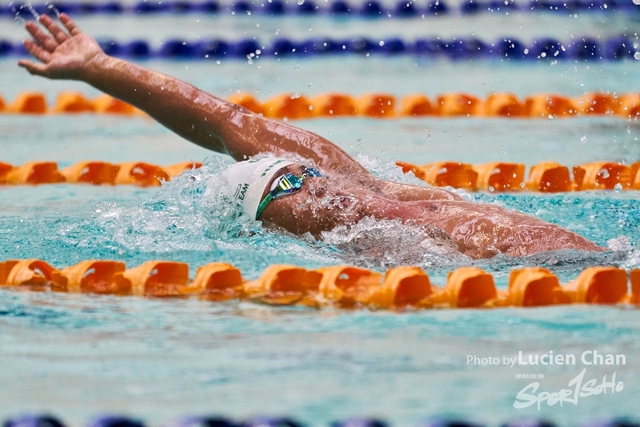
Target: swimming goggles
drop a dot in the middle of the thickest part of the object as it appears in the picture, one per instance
(287, 184)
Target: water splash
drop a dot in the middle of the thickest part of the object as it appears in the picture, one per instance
(389, 243)
(190, 212)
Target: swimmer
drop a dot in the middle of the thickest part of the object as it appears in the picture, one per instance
(325, 190)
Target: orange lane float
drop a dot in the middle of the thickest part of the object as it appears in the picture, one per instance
(5, 168)
(333, 104)
(467, 287)
(634, 175)
(601, 176)
(597, 103)
(340, 286)
(92, 172)
(96, 173)
(347, 286)
(629, 105)
(285, 285)
(417, 105)
(504, 105)
(532, 287)
(634, 297)
(28, 103)
(34, 173)
(549, 177)
(498, 176)
(289, 106)
(217, 281)
(402, 287)
(142, 174)
(550, 106)
(158, 278)
(25, 272)
(92, 276)
(459, 104)
(378, 105)
(598, 285)
(72, 102)
(450, 174)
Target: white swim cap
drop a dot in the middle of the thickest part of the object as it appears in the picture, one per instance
(248, 179)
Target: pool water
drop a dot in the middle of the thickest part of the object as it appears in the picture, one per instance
(78, 355)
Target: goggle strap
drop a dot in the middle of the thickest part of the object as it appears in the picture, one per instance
(263, 204)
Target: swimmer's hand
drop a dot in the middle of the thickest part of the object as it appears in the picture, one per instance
(63, 52)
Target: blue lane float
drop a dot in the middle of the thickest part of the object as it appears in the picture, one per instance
(506, 48)
(115, 421)
(204, 421)
(368, 8)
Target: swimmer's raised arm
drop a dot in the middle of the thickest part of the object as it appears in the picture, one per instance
(195, 115)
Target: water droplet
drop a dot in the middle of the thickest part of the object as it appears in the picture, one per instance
(583, 139)
(300, 2)
(636, 2)
(381, 43)
(295, 96)
(617, 188)
(543, 55)
(621, 223)
(636, 56)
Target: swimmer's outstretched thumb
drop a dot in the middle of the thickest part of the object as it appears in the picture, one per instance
(32, 67)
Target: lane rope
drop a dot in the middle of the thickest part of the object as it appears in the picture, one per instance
(580, 49)
(294, 106)
(118, 420)
(338, 286)
(337, 8)
(493, 177)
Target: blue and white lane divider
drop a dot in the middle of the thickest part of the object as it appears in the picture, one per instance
(367, 9)
(579, 49)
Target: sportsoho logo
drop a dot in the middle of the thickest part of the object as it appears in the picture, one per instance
(579, 387)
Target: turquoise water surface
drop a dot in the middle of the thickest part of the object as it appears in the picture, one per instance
(78, 355)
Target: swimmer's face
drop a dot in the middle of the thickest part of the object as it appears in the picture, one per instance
(314, 186)
(307, 208)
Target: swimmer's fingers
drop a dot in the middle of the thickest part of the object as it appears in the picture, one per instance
(58, 33)
(43, 40)
(33, 68)
(37, 51)
(69, 24)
